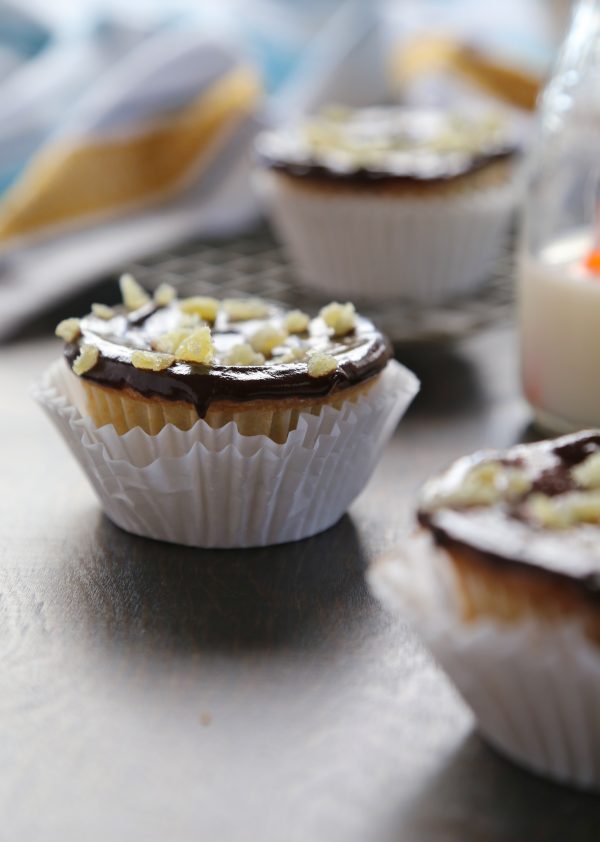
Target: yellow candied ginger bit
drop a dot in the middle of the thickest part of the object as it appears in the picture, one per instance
(200, 305)
(295, 354)
(134, 295)
(151, 361)
(244, 309)
(164, 294)
(484, 484)
(321, 364)
(587, 473)
(243, 354)
(340, 317)
(266, 338)
(68, 329)
(296, 321)
(102, 311)
(167, 343)
(86, 359)
(563, 511)
(197, 347)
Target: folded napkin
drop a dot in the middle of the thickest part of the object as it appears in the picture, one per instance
(151, 149)
(129, 134)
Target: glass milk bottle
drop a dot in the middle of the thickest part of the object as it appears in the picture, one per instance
(559, 266)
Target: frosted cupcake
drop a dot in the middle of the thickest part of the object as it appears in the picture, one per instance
(388, 203)
(503, 582)
(229, 423)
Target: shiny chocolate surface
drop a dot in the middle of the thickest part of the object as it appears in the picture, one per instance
(504, 532)
(361, 354)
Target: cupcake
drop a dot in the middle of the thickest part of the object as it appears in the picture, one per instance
(232, 423)
(390, 203)
(502, 579)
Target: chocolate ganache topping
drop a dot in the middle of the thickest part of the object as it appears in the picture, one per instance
(533, 507)
(387, 145)
(353, 350)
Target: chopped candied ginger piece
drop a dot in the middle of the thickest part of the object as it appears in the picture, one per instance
(197, 347)
(164, 294)
(244, 309)
(167, 343)
(587, 473)
(483, 485)
(295, 354)
(134, 296)
(243, 354)
(151, 361)
(340, 317)
(321, 364)
(564, 510)
(102, 311)
(86, 359)
(200, 305)
(296, 321)
(266, 338)
(68, 329)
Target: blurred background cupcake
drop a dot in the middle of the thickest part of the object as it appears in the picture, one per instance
(384, 203)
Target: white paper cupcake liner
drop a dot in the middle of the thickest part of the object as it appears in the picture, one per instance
(210, 487)
(534, 687)
(373, 248)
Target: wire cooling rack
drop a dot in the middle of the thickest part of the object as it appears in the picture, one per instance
(256, 264)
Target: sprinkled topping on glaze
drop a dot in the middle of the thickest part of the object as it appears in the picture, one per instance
(134, 296)
(244, 309)
(340, 317)
(68, 329)
(390, 142)
(296, 321)
(86, 359)
(267, 338)
(151, 361)
(243, 354)
(587, 473)
(536, 505)
(202, 306)
(164, 294)
(484, 484)
(168, 343)
(197, 347)
(294, 355)
(167, 350)
(321, 364)
(103, 311)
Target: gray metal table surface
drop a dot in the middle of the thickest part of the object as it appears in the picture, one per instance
(155, 692)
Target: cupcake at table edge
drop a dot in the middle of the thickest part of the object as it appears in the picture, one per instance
(391, 203)
(224, 423)
(502, 580)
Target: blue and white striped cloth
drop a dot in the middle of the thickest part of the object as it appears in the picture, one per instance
(126, 132)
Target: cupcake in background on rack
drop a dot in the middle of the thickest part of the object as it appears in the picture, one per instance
(502, 580)
(391, 203)
(224, 423)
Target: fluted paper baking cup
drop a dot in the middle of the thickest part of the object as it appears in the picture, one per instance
(208, 487)
(371, 248)
(533, 686)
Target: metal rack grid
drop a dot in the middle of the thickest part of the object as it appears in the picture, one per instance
(256, 264)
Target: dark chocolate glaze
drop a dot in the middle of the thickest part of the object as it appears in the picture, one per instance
(286, 151)
(361, 355)
(439, 172)
(502, 535)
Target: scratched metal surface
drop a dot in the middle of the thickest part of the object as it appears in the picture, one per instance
(150, 692)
